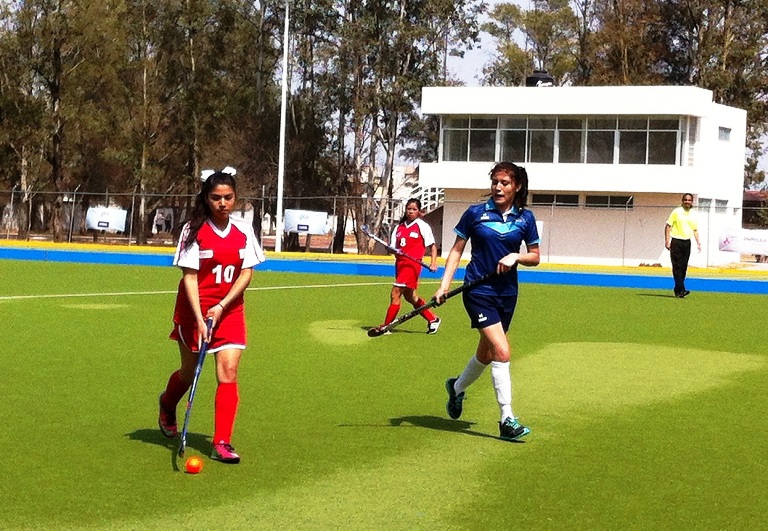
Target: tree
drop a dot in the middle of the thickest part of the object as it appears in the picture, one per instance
(721, 45)
(549, 32)
(22, 114)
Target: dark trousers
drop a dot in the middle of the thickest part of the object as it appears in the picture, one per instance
(679, 252)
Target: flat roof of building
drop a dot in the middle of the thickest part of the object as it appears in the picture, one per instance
(560, 101)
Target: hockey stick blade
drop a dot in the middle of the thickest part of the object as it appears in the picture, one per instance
(381, 330)
(378, 331)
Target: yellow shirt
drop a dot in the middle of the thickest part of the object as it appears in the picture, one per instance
(682, 223)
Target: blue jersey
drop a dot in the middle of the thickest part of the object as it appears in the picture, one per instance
(492, 239)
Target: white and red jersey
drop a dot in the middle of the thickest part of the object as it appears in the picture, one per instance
(412, 238)
(218, 256)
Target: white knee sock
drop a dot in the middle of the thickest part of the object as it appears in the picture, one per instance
(471, 373)
(502, 383)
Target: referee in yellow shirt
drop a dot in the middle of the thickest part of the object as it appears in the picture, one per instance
(681, 225)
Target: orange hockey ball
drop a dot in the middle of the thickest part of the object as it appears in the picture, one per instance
(194, 465)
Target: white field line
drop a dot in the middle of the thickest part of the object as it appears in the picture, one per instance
(168, 292)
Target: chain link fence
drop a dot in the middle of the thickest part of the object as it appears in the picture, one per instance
(633, 235)
(156, 219)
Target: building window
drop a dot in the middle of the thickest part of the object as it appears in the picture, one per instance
(721, 206)
(469, 139)
(690, 140)
(456, 139)
(609, 201)
(601, 136)
(513, 139)
(541, 139)
(574, 140)
(663, 137)
(570, 144)
(633, 140)
(704, 204)
(559, 200)
(724, 134)
(482, 139)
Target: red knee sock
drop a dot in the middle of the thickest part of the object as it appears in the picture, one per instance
(391, 313)
(227, 400)
(174, 391)
(426, 314)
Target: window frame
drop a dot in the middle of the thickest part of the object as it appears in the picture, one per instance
(555, 202)
(612, 201)
(542, 136)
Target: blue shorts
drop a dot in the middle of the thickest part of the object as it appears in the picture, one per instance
(487, 310)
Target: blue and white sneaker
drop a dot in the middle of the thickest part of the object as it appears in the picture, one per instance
(455, 401)
(512, 430)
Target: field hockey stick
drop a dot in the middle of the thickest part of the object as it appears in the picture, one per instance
(392, 249)
(376, 332)
(198, 370)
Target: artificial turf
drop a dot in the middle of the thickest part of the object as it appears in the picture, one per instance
(647, 411)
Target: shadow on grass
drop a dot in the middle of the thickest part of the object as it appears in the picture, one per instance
(196, 441)
(663, 295)
(439, 423)
(426, 421)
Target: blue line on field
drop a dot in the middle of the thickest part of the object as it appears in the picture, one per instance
(758, 287)
(536, 276)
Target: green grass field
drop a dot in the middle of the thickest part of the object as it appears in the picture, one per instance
(648, 412)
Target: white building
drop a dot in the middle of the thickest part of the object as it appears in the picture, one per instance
(606, 164)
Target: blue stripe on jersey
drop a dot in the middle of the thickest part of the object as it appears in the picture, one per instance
(501, 227)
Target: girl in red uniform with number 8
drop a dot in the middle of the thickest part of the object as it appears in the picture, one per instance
(216, 254)
(413, 236)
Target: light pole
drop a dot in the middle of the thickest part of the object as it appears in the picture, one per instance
(281, 155)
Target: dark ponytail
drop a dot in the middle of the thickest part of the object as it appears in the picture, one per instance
(521, 178)
(202, 210)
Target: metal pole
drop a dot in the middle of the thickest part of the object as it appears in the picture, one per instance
(29, 217)
(261, 215)
(72, 215)
(624, 236)
(549, 231)
(133, 213)
(281, 155)
(335, 224)
(709, 230)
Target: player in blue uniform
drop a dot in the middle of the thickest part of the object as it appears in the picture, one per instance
(496, 231)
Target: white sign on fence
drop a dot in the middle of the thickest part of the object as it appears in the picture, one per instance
(110, 219)
(744, 241)
(306, 221)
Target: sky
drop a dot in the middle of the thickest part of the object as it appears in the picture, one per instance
(470, 68)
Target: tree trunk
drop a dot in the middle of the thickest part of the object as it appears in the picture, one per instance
(57, 169)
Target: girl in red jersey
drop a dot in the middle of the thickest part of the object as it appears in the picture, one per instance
(413, 236)
(216, 254)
